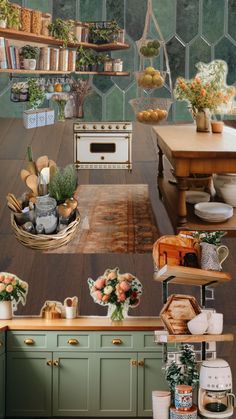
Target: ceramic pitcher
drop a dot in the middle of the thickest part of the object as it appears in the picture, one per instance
(213, 256)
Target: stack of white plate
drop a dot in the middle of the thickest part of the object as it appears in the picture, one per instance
(194, 197)
(213, 212)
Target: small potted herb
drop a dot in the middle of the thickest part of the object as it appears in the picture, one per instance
(103, 33)
(113, 31)
(63, 183)
(62, 30)
(85, 59)
(29, 54)
(4, 12)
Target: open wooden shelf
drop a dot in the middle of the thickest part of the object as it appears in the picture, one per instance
(170, 198)
(101, 73)
(191, 276)
(159, 338)
(49, 40)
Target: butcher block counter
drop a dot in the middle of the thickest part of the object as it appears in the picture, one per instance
(82, 323)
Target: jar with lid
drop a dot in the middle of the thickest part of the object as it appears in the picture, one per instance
(183, 397)
(44, 58)
(118, 65)
(25, 19)
(46, 213)
(78, 30)
(54, 59)
(63, 59)
(36, 22)
(108, 64)
(17, 9)
(121, 36)
(85, 33)
(46, 20)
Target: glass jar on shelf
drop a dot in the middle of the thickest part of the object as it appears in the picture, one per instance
(46, 213)
(36, 22)
(108, 64)
(63, 59)
(117, 65)
(46, 20)
(26, 19)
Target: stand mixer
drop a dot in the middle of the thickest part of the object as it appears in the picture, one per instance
(215, 399)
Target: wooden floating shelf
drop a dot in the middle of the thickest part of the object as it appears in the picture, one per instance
(49, 40)
(191, 276)
(228, 337)
(169, 194)
(101, 73)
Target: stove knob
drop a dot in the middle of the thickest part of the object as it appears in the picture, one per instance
(124, 127)
(117, 126)
(95, 127)
(84, 126)
(103, 126)
(110, 126)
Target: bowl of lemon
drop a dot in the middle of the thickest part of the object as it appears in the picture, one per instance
(149, 48)
(149, 110)
(150, 78)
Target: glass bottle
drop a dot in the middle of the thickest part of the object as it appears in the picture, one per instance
(46, 213)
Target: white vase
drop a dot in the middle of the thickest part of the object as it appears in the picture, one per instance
(5, 310)
(29, 63)
(3, 23)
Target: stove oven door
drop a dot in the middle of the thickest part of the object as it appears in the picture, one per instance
(102, 148)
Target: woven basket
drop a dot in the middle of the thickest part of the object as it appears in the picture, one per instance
(45, 241)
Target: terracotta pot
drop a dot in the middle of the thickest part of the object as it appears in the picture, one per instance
(217, 127)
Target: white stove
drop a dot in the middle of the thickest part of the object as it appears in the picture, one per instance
(103, 145)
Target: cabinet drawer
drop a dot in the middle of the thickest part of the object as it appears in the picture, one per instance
(115, 342)
(148, 342)
(30, 341)
(2, 343)
(74, 341)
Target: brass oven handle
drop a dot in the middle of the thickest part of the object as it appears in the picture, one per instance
(141, 363)
(56, 363)
(134, 363)
(49, 363)
(73, 342)
(29, 341)
(117, 341)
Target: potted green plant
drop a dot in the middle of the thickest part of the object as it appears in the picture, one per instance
(185, 372)
(113, 31)
(85, 59)
(13, 18)
(62, 30)
(101, 58)
(63, 183)
(4, 12)
(29, 54)
(102, 33)
(36, 94)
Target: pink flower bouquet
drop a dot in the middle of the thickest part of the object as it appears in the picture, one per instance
(118, 291)
(12, 288)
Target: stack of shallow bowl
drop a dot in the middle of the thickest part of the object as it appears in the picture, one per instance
(225, 186)
(213, 212)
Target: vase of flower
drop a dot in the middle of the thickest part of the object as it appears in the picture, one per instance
(118, 312)
(61, 101)
(203, 120)
(12, 290)
(117, 291)
(5, 310)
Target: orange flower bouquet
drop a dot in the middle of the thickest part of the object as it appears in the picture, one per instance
(207, 90)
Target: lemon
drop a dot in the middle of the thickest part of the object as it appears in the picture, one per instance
(157, 80)
(147, 80)
(150, 70)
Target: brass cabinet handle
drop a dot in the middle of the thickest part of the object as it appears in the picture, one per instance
(117, 341)
(29, 341)
(133, 362)
(141, 363)
(73, 342)
(56, 363)
(49, 363)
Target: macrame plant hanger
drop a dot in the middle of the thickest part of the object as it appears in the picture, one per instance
(150, 16)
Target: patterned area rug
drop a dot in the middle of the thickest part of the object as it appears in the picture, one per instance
(114, 219)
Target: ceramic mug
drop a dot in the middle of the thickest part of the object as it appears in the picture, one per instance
(215, 324)
(70, 312)
(213, 256)
(222, 252)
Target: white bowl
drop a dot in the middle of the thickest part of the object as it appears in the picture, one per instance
(220, 180)
(198, 325)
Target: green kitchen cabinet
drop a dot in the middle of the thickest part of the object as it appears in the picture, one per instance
(115, 379)
(73, 375)
(150, 378)
(2, 386)
(29, 383)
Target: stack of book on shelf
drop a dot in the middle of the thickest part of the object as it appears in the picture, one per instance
(9, 55)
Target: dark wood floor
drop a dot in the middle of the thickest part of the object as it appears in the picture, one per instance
(59, 276)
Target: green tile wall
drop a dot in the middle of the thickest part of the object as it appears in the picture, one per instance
(194, 30)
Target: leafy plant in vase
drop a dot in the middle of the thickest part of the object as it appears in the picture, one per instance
(36, 94)
(12, 291)
(29, 54)
(4, 12)
(61, 101)
(85, 59)
(117, 291)
(185, 372)
(206, 92)
(213, 254)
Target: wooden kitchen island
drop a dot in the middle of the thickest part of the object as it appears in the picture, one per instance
(191, 152)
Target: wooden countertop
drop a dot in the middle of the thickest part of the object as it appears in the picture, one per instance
(183, 141)
(82, 323)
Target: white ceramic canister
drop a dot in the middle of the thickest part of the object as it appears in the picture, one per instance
(161, 404)
(5, 310)
(215, 324)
